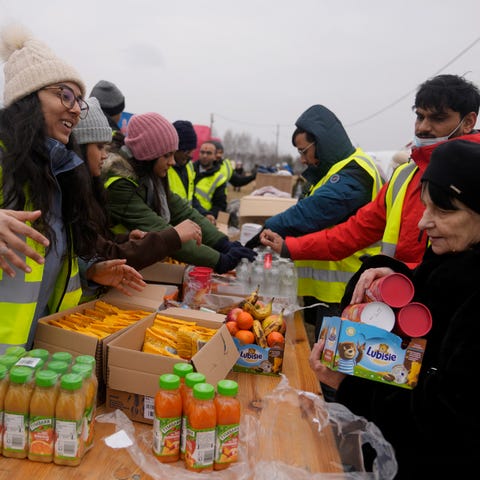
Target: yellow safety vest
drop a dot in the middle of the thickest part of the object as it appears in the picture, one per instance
(394, 198)
(206, 186)
(176, 185)
(226, 167)
(326, 280)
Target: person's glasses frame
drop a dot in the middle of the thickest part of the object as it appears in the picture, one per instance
(68, 99)
(303, 150)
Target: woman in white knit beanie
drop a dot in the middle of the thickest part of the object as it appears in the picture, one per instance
(43, 101)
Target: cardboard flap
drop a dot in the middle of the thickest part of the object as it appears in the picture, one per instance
(162, 272)
(216, 367)
(150, 297)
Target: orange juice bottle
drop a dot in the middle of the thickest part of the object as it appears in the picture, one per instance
(167, 420)
(3, 391)
(191, 379)
(202, 419)
(181, 369)
(69, 413)
(42, 417)
(90, 384)
(17, 403)
(228, 424)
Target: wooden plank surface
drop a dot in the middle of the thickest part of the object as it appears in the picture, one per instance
(306, 449)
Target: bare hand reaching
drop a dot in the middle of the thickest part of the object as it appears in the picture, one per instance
(365, 280)
(189, 230)
(272, 240)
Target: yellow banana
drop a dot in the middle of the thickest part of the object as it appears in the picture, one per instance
(263, 312)
(273, 323)
(260, 337)
(253, 297)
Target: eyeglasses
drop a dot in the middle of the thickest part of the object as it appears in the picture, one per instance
(68, 99)
(302, 152)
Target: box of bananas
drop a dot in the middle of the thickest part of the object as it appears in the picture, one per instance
(258, 333)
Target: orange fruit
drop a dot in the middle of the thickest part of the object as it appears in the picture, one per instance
(245, 337)
(275, 338)
(232, 327)
(244, 320)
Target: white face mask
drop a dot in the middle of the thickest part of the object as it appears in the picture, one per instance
(425, 142)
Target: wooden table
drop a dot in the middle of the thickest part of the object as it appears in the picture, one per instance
(312, 452)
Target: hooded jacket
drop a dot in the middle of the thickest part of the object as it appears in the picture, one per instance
(342, 194)
(129, 206)
(367, 226)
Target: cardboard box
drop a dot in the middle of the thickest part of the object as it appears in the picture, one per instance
(370, 352)
(260, 361)
(257, 209)
(285, 183)
(164, 273)
(135, 372)
(55, 339)
(138, 408)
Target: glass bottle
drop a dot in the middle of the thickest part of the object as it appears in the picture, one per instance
(228, 411)
(167, 420)
(42, 417)
(69, 413)
(202, 420)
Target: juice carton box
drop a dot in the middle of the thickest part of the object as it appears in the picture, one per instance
(370, 352)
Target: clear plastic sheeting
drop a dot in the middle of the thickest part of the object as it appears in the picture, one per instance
(265, 450)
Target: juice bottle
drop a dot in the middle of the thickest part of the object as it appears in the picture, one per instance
(202, 419)
(62, 357)
(17, 403)
(167, 420)
(16, 351)
(42, 417)
(57, 366)
(69, 413)
(3, 391)
(191, 379)
(228, 423)
(181, 369)
(90, 385)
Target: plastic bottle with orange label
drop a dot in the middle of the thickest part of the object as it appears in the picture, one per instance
(202, 420)
(167, 420)
(191, 379)
(69, 415)
(228, 411)
(17, 404)
(42, 417)
(3, 392)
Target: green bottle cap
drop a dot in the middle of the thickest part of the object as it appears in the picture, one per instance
(20, 374)
(227, 387)
(62, 356)
(46, 378)
(17, 351)
(3, 371)
(71, 381)
(58, 366)
(181, 369)
(39, 353)
(88, 359)
(193, 378)
(169, 381)
(83, 369)
(203, 391)
(8, 360)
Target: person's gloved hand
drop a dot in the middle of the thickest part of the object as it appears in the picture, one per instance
(255, 240)
(228, 261)
(224, 245)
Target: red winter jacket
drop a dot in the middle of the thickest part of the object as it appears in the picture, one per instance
(368, 224)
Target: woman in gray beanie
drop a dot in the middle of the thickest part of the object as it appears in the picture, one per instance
(431, 426)
(43, 99)
(140, 249)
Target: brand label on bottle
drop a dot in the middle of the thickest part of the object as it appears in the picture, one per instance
(200, 448)
(226, 446)
(69, 435)
(16, 432)
(41, 436)
(166, 436)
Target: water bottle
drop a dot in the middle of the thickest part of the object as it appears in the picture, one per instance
(288, 279)
(243, 275)
(272, 279)
(256, 276)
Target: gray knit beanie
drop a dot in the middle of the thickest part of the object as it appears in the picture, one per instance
(94, 128)
(110, 97)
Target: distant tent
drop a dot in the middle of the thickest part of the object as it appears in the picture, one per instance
(203, 134)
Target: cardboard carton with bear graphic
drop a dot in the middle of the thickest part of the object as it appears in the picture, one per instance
(372, 353)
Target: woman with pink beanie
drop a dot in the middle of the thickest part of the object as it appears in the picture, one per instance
(139, 196)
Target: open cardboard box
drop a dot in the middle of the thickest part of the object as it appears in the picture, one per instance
(136, 373)
(285, 183)
(55, 339)
(257, 209)
(164, 273)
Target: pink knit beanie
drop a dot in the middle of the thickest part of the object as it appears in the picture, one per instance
(149, 136)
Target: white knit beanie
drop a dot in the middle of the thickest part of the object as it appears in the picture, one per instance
(94, 128)
(30, 65)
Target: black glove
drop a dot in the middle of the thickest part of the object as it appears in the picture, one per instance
(223, 245)
(255, 240)
(228, 261)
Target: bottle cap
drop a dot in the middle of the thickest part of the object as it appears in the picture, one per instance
(203, 391)
(71, 381)
(39, 353)
(227, 387)
(88, 359)
(8, 360)
(181, 369)
(46, 378)
(3, 371)
(193, 378)
(16, 351)
(83, 369)
(20, 374)
(169, 381)
(57, 366)
(62, 356)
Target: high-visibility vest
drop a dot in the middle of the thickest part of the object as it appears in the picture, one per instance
(226, 168)
(394, 198)
(326, 280)
(177, 186)
(206, 186)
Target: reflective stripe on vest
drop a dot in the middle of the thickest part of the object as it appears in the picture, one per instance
(394, 198)
(324, 279)
(177, 186)
(226, 168)
(205, 188)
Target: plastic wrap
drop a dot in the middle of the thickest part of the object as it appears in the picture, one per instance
(265, 451)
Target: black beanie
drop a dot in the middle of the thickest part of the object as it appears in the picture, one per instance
(455, 167)
(110, 97)
(187, 138)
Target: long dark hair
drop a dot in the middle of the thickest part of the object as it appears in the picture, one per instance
(26, 168)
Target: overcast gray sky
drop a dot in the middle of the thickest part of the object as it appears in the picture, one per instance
(256, 65)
